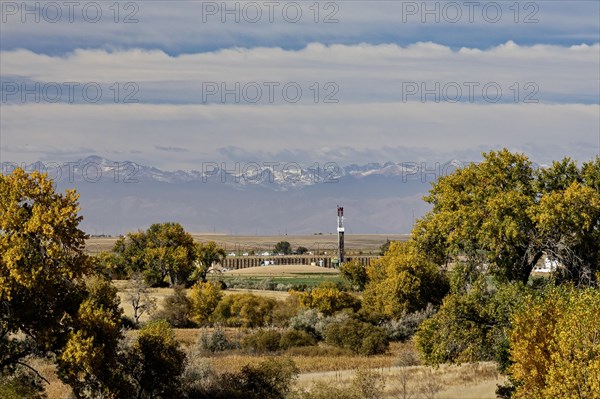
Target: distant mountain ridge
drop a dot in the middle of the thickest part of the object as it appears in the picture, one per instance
(117, 197)
(277, 176)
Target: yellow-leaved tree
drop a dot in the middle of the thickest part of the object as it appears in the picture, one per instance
(402, 281)
(555, 345)
(41, 262)
(204, 298)
(49, 304)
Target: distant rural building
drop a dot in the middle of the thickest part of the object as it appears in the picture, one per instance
(546, 265)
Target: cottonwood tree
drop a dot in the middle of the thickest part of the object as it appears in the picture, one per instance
(328, 299)
(502, 216)
(164, 251)
(355, 273)
(402, 281)
(301, 250)
(283, 247)
(555, 345)
(41, 260)
(207, 255)
(48, 306)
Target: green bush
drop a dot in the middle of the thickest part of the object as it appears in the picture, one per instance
(245, 310)
(296, 338)
(361, 338)
(176, 309)
(262, 341)
(155, 362)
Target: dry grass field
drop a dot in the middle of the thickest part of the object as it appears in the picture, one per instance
(369, 243)
(468, 381)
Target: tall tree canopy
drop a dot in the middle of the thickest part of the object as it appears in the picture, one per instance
(207, 254)
(50, 305)
(41, 264)
(163, 251)
(555, 346)
(402, 281)
(504, 215)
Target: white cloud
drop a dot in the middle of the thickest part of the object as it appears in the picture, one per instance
(344, 133)
(362, 72)
(370, 123)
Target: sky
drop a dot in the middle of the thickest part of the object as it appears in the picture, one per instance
(173, 84)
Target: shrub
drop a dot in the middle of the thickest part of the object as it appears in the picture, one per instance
(128, 323)
(247, 310)
(362, 338)
(285, 310)
(329, 299)
(262, 341)
(368, 384)
(176, 309)
(306, 320)
(197, 376)
(408, 356)
(271, 379)
(326, 390)
(215, 341)
(406, 326)
(204, 298)
(296, 338)
(314, 322)
(21, 384)
(156, 362)
(365, 384)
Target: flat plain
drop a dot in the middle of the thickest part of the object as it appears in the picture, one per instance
(367, 243)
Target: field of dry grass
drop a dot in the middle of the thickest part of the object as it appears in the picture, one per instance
(353, 242)
(468, 381)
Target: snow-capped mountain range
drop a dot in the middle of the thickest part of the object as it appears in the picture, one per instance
(251, 198)
(274, 175)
